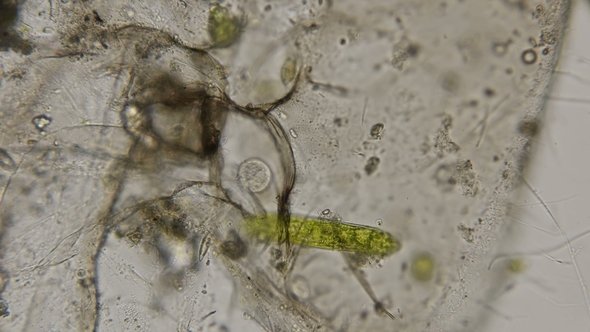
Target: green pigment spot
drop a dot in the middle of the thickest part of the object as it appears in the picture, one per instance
(324, 234)
(224, 28)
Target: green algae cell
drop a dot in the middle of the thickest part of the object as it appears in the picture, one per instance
(289, 71)
(322, 234)
(223, 27)
(516, 266)
(423, 267)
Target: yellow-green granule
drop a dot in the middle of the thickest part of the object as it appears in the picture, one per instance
(224, 28)
(423, 267)
(516, 266)
(289, 71)
(324, 234)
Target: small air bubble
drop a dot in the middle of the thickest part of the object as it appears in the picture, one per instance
(326, 212)
(41, 121)
(529, 56)
(293, 133)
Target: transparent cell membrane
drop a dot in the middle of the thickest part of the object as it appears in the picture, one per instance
(278, 166)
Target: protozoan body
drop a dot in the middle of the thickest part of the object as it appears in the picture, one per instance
(323, 234)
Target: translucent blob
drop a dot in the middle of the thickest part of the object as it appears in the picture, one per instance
(300, 287)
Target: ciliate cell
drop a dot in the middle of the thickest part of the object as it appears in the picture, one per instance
(254, 175)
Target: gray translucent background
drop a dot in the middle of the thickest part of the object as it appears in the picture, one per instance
(548, 296)
(544, 298)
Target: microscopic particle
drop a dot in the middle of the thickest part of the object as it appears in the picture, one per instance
(41, 121)
(324, 234)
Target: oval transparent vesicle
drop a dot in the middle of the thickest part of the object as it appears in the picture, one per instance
(264, 166)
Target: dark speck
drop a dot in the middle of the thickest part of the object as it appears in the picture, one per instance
(489, 92)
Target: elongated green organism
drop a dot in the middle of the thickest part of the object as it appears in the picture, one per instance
(324, 234)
